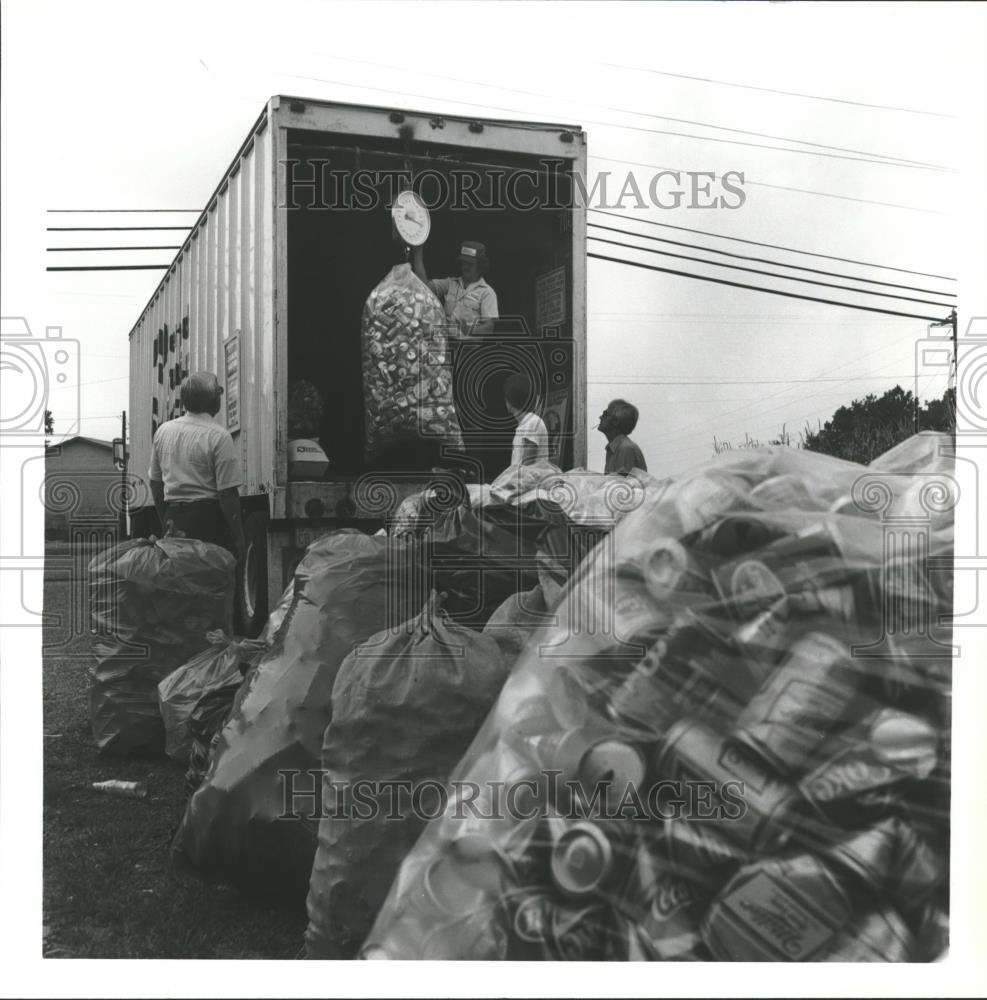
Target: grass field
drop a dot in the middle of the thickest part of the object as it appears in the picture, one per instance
(110, 890)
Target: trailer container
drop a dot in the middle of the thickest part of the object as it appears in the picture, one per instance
(269, 286)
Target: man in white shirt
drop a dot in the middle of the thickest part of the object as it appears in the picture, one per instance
(470, 303)
(195, 470)
(530, 443)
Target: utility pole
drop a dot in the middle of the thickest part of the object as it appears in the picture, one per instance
(949, 321)
(121, 459)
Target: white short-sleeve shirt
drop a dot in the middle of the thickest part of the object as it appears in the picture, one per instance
(532, 428)
(194, 456)
(466, 304)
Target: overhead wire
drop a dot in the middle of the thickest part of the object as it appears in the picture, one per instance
(633, 128)
(785, 93)
(759, 288)
(765, 260)
(627, 111)
(768, 274)
(774, 246)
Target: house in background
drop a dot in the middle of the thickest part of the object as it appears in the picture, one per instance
(81, 484)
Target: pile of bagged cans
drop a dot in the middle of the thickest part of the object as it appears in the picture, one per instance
(407, 373)
(732, 745)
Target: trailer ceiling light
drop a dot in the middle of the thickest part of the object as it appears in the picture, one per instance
(566, 137)
(298, 107)
(476, 126)
(396, 117)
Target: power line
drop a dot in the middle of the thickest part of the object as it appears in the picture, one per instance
(778, 187)
(763, 260)
(114, 267)
(785, 93)
(632, 128)
(91, 249)
(768, 274)
(775, 246)
(626, 111)
(757, 288)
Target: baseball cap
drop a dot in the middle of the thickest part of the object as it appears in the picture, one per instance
(471, 250)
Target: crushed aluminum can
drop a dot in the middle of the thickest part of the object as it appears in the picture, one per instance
(671, 573)
(479, 937)
(764, 639)
(127, 789)
(736, 535)
(767, 808)
(815, 568)
(869, 855)
(811, 693)
(849, 764)
(666, 908)
(788, 910)
(671, 928)
(878, 936)
(590, 858)
(580, 934)
(904, 742)
(919, 868)
(932, 932)
(544, 928)
(693, 670)
(699, 853)
(704, 499)
(591, 757)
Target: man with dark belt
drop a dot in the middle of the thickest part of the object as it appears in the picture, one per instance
(195, 471)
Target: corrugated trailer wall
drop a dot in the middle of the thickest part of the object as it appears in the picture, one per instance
(221, 283)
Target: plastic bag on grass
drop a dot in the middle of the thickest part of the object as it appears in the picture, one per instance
(225, 662)
(406, 706)
(152, 604)
(407, 374)
(250, 822)
(730, 747)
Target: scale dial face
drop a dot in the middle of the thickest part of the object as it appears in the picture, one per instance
(411, 218)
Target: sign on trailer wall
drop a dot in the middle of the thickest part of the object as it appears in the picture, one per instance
(232, 393)
(550, 298)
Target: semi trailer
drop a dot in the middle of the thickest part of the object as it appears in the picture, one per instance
(269, 286)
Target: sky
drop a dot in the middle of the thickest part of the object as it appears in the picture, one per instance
(128, 110)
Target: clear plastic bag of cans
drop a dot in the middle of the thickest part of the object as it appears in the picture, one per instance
(731, 744)
(407, 374)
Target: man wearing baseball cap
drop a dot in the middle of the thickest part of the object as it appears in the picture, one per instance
(470, 303)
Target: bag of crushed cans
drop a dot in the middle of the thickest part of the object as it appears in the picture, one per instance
(405, 707)
(407, 373)
(253, 820)
(152, 603)
(733, 745)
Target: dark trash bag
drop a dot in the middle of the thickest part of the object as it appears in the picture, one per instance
(152, 604)
(238, 827)
(214, 707)
(204, 724)
(480, 556)
(405, 708)
(222, 664)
